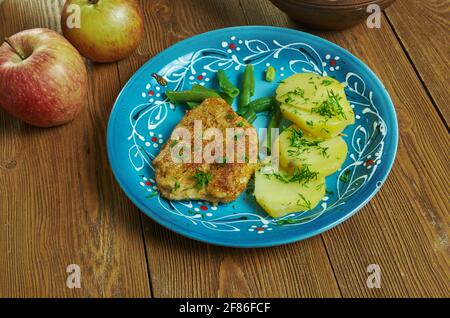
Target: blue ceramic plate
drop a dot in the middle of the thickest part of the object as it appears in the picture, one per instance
(142, 120)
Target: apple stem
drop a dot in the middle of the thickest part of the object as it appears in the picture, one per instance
(8, 41)
(93, 1)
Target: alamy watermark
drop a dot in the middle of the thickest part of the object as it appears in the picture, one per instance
(74, 278)
(216, 146)
(374, 19)
(374, 278)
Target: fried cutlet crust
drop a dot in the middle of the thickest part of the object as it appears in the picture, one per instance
(176, 180)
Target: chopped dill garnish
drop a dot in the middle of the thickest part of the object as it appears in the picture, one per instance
(326, 82)
(320, 186)
(345, 177)
(173, 142)
(229, 116)
(302, 175)
(304, 202)
(301, 145)
(288, 221)
(310, 123)
(294, 220)
(324, 152)
(151, 195)
(289, 99)
(296, 92)
(193, 212)
(331, 107)
(201, 179)
(176, 186)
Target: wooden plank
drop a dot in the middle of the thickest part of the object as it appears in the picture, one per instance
(424, 29)
(181, 267)
(405, 228)
(58, 200)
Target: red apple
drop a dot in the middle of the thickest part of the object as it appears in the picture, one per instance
(103, 30)
(43, 79)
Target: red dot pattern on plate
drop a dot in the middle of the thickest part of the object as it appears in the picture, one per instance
(260, 229)
(151, 93)
(200, 77)
(333, 62)
(154, 139)
(232, 46)
(203, 208)
(148, 183)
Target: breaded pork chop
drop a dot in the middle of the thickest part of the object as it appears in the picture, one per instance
(213, 182)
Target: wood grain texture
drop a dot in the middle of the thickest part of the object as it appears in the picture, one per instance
(405, 228)
(180, 267)
(424, 29)
(59, 203)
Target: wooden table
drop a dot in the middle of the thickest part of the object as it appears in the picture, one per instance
(60, 205)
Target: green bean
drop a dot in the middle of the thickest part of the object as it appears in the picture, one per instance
(251, 70)
(182, 97)
(242, 111)
(227, 98)
(275, 122)
(200, 88)
(192, 105)
(250, 116)
(226, 85)
(247, 86)
(260, 105)
(270, 74)
(263, 104)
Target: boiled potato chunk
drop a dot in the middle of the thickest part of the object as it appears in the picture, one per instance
(305, 90)
(316, 104)
(297, 149)
(279, 198)
(314, 124)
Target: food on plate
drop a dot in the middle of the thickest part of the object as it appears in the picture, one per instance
(316, 104)
(311, 149)
(227, 87)
(43, 79)
(282, 193)
(220, 181)
(260, 105)
(248, 86)
(297, 149)
(103, 31)
(270, 74)
(195, 96)
(312, 123)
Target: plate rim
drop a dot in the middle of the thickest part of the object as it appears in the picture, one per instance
(274, 242)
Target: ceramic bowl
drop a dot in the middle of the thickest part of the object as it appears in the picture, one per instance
(329, 14)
